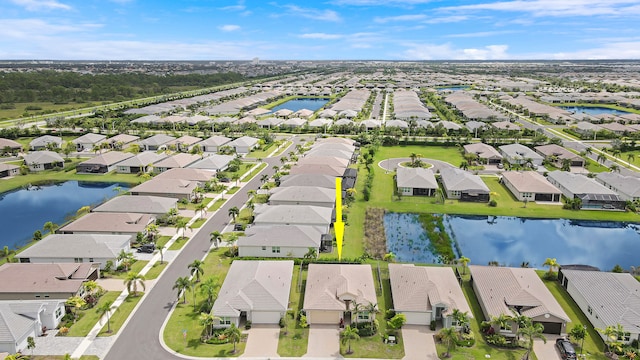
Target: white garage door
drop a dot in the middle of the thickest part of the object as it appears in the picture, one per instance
(417, 318)
(323, 317)
(265, 317)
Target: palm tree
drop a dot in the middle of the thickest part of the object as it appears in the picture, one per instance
(215, 237)
(50, 227)
(614, 168)
(588, 150)
(347, 335)
(232, 238)
(182, 224)
(312, 253)
(234, 212)
(502, 321)
(630, 158)
(372, 309)
(196, 268)
(461, 318)
(160, 249)
(76, 303)
(551, 263)
(202, 208)
(125, 258)
(207, 320)
(208, 288)
(133, 280)
(105, 309)
(449, 336)
(357, 308)
(464, 261)
(31, 344)
(182, 284)
(235, 177)
(601, 157)
(234, 335)
(531, 331)
(264, 178)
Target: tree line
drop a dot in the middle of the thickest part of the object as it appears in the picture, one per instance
(66, 87)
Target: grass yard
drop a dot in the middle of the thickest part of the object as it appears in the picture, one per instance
(135, 267)
(179, 243)
(192, 206)
(595, 167)
(263, 152)
(155, 270)
(294, 339)
(162, 240)
(198, 223)
(21, 109)
(90, 316)
(635, 157)
(283, 148)
(121, 314)
(184, 317)
(233, 190)
(216, 205)
(593, 344)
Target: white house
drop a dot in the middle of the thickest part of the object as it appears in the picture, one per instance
(244, 144)
(256, 291)
(280, 240)
(416, 181)
(20, 320)
(520, 154)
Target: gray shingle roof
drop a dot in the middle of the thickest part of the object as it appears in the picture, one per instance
(460, 180)
(43, 157)
(282, 235)
(293, 214)
(89, 138)
(627, 185)
(520, 151)
(303, 194)
(325, 181)
(213, 162)
(157, 140)
(483, 151)
(44, 140)
(416, 178)
(143, 159)
(529, 181)
(578, 184)
(108, 158)
(138, 204)
(13, 327)
(215, 140)
(77, 246)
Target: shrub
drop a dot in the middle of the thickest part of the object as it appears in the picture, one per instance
(550, 276)
(63, 331)
(247, 325)
(466, 339)
(389, 314)
(365, 329)
(500, 341)
(432, 325)
(493, 203)
(281, 322)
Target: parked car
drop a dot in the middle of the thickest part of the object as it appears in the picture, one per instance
(147, 248)
(238, 227)
(225, 180)
(567, 352)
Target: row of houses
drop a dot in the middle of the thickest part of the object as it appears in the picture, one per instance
(301, 210)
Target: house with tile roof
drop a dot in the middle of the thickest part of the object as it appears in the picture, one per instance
(463, 185)
(281, 240)
(416, 182)
(530, 186)
(45, 281)
(426, 293)
(593, 195)
(517, 291)
(333, 289)
(628, 187)
(606, 299)
(256, 291)
(43, 160)
(303, 195)
(487, 154)
(27, 318)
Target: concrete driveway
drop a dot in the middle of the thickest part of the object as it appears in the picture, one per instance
(262, 341)
(324, 341)
(547, 351)
(419, 343)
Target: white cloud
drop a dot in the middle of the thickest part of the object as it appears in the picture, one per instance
(480, 34)
(618, 50)
(238, 7)
(414, 17)
(33, 29)
(425, 51)
(229, 28)
(36, 5)
(447, 19)
(557, 8)
(380, 2)
(315, 14)
(321, 36)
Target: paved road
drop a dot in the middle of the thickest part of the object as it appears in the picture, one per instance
(140, 338)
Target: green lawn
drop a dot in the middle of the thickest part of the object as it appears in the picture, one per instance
(121, 314)
(192, 206)
(198, 223)
(162, 240)
(635, 160)
(90, 316)
(155, 270)
(136, 267)
(263, 152)
(233, 190)
(179, 243)
(593, 344)
(283, 148)
(294, 339)
(185, 318)
(20, 108)
(217, 205)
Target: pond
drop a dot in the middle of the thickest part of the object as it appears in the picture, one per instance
(595, 110)
(454, 88)
(26, 210)
(511, 241)
(299, 104)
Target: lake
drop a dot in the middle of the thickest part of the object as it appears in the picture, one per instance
(511, 241)
(454, 88)
(26, 210)
(594, 110)
(299, 104)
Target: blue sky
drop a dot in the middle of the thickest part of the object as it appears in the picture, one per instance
(319, 30)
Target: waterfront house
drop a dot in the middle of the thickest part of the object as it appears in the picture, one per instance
(171, 188)
(416, 182)
(628, 187)
(463, 185)
(102, 163)
(109, 223)
(593, 195)
(43, 160)
(140, 163)
(142, 204)
(530, 186)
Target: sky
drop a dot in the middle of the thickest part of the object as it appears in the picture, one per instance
(319, 30)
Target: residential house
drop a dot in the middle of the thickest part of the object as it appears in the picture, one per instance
(156, 142)
(190, 174)
(530, 186)
(303, 195)
(77, 248)
(109, 223)
(121, 141)
(324, 160)
(140, 163)
(416, 182)
(45, 142)
(256, 291)
(313, 180)
(9, 146)
(281, 240)
(332, 153)
(557, 155)
(45, 281)
(517, 291)
(142, 204)
(628, 187)
(317, 169)
(332, 290)
(9, 170)
(592, 194)
(463, 185)
(244, 145)
(486, 154)
(214, 143)
(606, 299)
(103, 163)
(270, 122)
(180, 160)
(520, 154)
(43, 160)
(20, 320)
(293, 215)
(213, 162)
(171, 188)
(87, 141)
(184, 143)
(426, 293)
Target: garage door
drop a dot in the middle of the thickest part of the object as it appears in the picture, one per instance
(265, 317)
(551, 327)
(323, 317)
(417, 318)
